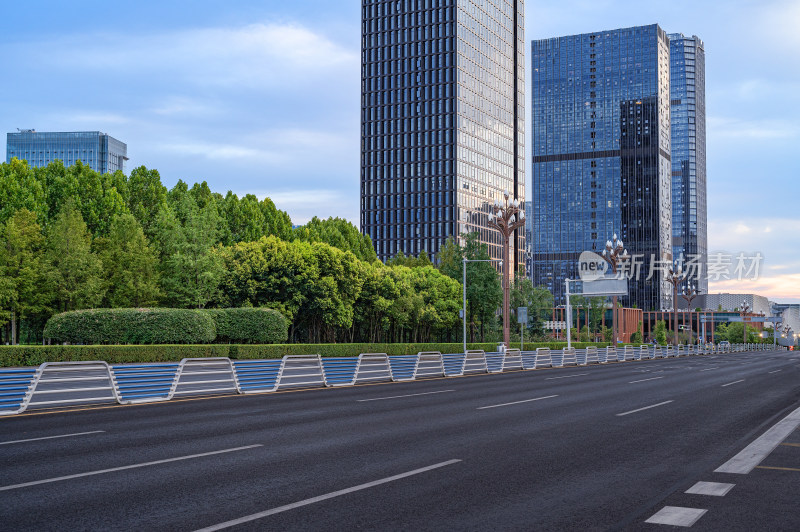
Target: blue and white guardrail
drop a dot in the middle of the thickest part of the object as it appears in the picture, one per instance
(55, 384)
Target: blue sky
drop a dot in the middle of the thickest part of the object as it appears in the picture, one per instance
(263, 97)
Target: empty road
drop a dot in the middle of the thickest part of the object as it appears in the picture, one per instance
(611, 447)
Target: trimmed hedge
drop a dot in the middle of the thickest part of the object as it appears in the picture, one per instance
(25, 355)
(250, 325)
(132, 326)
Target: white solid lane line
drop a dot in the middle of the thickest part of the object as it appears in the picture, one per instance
(676, 516)
(754, 454)
(517, 402)
(645, 408)
(566, 376)
(51, 437)
(400, 396)
(645, 380)
(123, 468)
(731, 383)
(306, 502)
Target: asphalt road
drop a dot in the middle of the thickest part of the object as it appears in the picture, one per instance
(586, 448)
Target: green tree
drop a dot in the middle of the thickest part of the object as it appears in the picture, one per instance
(24, 270)
(146, 197)
(660, 332)
(450, 259)
(76, 273)
(191, 268)
(130, 265)
(372, 317)
(410, 262)
(20, 189)
(97, 197)
(538, 299)
(484, 291)
(338, 233)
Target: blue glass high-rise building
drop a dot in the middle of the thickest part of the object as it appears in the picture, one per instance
(100, 151)
(442, 128)
(601, 155)
(688, 115)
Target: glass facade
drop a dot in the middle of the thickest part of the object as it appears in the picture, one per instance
(442, 90)
(688, 102)
(600, 155)
(99, 151)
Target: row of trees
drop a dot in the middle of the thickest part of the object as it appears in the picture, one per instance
(74, 239)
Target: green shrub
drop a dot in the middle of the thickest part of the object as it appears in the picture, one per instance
(131, 326)
(24, 355)
(33, 355)
(250, 325)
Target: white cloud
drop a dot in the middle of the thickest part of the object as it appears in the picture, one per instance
(220, 152)
(778, 23)
(758, 129)
(257, 55)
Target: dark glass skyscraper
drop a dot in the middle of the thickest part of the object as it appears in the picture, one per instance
(442, 129)
(601, 155)
(688, 99)
(100, 151)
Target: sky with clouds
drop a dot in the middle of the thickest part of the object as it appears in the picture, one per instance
(262, 97)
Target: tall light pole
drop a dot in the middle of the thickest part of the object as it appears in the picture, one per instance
(745, 308)
(506, 218)
(689, 294)
(675, 276)
(614, 253)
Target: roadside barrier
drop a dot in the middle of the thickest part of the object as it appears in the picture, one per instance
(569, 357)
(543, 358)
(628, 353)
(71, 383)
(474, 362)
(429, 364)
(372, 367)
(512, 359)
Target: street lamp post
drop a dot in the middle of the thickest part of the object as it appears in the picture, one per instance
(689, 295)
(745, 308)
(614, 253)
(675, 276)
(506, 218)
(464, 287)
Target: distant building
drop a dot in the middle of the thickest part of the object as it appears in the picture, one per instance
(688, 116)
(601, 155)
(790, 314)
(729, 303)
(442, 121)
(100, 151)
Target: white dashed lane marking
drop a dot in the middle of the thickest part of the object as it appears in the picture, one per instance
(715, 489)
(732, 383)
(676, 516)
(645, 380)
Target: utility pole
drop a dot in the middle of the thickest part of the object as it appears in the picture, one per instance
(614, 253)
(689, 295)
(507, 218)
(675, 276)
(745, 308)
